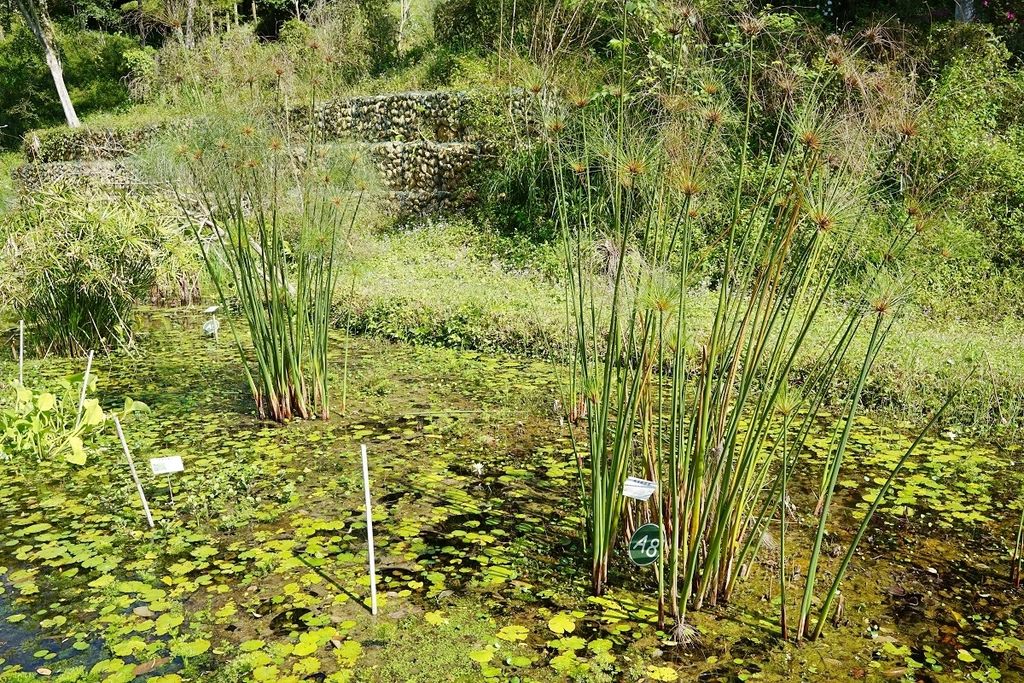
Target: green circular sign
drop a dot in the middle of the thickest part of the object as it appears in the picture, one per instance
(645, 544)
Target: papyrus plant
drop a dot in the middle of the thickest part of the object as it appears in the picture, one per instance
(274, 226)
(708, 404)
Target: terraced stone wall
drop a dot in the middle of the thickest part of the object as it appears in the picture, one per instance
(418, 142)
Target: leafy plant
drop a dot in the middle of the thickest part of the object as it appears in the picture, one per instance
(698, 410)
(93, 61)
(282, 258)
(55, 423)
(77, 263)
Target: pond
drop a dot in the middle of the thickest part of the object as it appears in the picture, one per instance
(257, 569)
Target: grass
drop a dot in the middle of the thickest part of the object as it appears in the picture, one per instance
(449, 283)
(445, 284)
(8, 192)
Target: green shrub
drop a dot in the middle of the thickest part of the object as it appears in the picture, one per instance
(480, 24)
(94, 69)
(76, 264)
(972, 147)
(337, 44)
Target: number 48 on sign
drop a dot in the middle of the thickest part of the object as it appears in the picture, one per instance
(645, 544)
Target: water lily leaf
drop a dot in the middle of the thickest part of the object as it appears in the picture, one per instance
(481, 656)
(306, 666)
(166, 622)
(513, 632)
(190, 648)
(251, 645)
(102, 582)
(568, 644)
(965, 656)
(662, 673)
(565, 662)
(436, 618)
(562, 623)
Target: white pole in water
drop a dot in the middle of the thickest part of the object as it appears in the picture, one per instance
(135, 475)
(21, 352)
(85, 385)
(369, 535)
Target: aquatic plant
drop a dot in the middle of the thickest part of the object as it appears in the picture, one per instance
(274, 222)
(56, 423)
(698, 411)
(77, 262)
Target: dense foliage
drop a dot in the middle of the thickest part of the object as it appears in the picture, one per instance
(77, 263)
(95, 66)
(55, 424)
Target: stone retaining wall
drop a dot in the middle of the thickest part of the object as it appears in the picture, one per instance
(115, 173)
(418, 141)
(396, 117)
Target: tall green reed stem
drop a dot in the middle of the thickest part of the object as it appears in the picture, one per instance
(279, 219)
(697, 407)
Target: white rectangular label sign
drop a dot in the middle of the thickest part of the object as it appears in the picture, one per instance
(638, 489)
(167, 465)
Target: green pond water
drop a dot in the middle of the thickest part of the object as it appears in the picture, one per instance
(257, 569)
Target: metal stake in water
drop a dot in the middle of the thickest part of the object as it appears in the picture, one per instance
(135, 475)
(85, 385)
(369, 535)
(21, 352)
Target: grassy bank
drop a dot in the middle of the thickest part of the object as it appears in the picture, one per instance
(449, 284)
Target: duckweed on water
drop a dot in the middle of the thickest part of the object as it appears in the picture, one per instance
(256, 571)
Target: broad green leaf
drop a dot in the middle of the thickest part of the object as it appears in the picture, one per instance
(513, 632)
(662, 673)
(76, 456)
(93, 414)
(190, 649)
(562, 623)
(132, 406)
(45, 402)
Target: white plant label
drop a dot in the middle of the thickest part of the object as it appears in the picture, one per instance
(638, 489)
(167, 465)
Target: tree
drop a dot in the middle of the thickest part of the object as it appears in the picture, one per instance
(965, 10)
(34, 12)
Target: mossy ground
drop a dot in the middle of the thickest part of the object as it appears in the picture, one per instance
(257, 570)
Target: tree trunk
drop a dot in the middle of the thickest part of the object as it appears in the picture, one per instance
(404, 12)
(190, 16)
(965, 10)
(39, 24)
